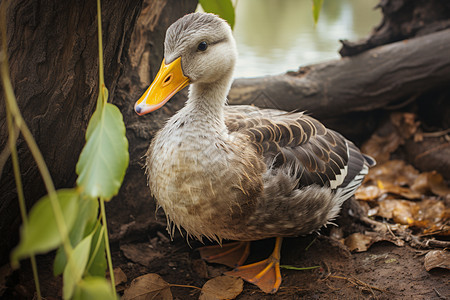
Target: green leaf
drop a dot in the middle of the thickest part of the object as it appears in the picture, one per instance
(97, 288)
(317, 6)
(97, 254)
(41, 234)
(84, 224)
(298, 269)
(223, 8)
(75, 266)
(104, 159)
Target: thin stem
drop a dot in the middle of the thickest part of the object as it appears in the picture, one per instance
(310, 244)
(185, 286)
(4, 155)
(100, 48)
(103, 98)
(36, 276)
(108, 250)
(298, 269)
(97, 246)
(20, 195)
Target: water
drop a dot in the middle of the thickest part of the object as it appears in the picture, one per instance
(274, 36)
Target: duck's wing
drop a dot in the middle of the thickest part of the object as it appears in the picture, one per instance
(301, 146)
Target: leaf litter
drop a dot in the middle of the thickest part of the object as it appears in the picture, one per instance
(152, 286)
(401, 203)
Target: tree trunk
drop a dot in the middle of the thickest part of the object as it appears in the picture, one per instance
(53, 54)
(134, 204)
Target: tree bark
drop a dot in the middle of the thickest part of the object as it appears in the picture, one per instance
(402, 19)
(53, 55)
(134, 205)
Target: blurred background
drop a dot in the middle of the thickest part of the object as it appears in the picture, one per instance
(276, 36)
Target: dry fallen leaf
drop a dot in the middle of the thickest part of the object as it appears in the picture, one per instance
(396, 172)
(141, 253)
(401, 211)
(437, 259)
(398, 190)
(358, 242)
(442, 230)
(431, 182)
(431, 212)
(421, 184)
(390, 135)
(148, 287)
(405, 123)
(119, 276)
(222, 287)
(385, 237)
(437, 184)
(427, 214)
(367, 193)
(380, 147)
(200, 268)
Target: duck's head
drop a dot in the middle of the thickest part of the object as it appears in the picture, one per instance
(199, 48)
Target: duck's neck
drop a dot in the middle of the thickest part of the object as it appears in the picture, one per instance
(206, 102)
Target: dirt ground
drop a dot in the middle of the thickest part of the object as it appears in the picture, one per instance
(385, 271)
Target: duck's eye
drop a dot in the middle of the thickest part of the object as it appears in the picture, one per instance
(202, 46)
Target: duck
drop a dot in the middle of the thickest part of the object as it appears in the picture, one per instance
(239, 172)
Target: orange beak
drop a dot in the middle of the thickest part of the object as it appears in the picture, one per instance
(168, 82)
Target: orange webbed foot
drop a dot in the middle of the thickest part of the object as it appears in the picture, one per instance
(231, 254)
(264, 274)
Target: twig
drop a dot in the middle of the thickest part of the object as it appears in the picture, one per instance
(108, 250)
(390, 231)
(185, 286)
(437, 243)
(436, 133)
(439, 294)
(370, 222)
(358, 282)
(310, 244)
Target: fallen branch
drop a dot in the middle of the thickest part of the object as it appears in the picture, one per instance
(365, 82)
(413, 240)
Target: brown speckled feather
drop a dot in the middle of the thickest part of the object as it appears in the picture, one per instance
(310, 170)
(315, 154)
